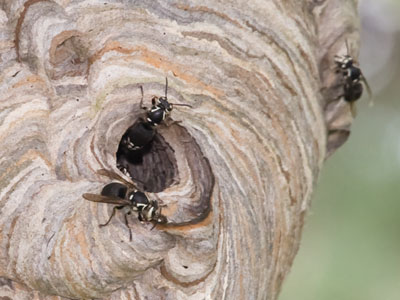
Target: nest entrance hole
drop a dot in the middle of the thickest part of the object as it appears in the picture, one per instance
(158, 165)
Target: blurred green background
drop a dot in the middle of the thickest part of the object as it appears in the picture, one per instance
(350, 248)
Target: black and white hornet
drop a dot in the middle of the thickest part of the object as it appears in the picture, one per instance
(142, 133)
(125, 195)
(353, 78)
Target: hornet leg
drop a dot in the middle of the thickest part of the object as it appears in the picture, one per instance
(127, 225)
(112, 215)
(141, 100)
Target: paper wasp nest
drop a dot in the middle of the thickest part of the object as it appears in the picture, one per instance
(235, 172)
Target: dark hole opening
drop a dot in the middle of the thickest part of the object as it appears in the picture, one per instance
(154, 167)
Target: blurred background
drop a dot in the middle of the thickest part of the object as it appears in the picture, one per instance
(351, 242)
